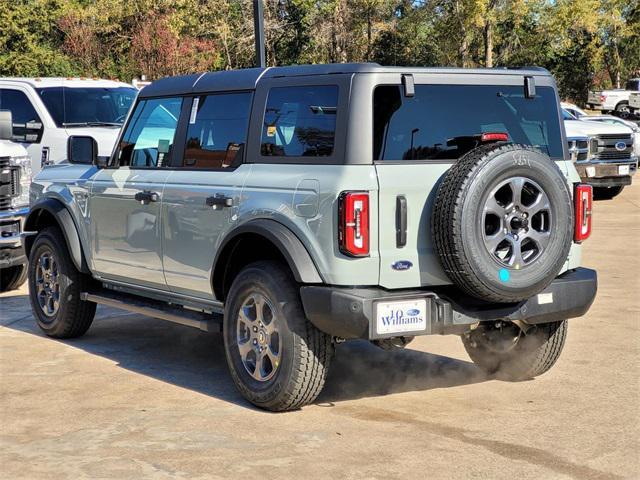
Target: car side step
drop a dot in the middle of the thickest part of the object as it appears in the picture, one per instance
(208, 322)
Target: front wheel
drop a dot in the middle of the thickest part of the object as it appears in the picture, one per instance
(12, 277)
(278, 360)
(55, 285)
(502, 348)
(606, 193)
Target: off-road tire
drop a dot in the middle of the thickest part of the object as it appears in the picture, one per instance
(73, 316)
(12, 277)
(457, 232)
(306, 351)
(534, 354)
(606, 193)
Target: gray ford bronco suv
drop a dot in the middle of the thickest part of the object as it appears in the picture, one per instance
(293, 208)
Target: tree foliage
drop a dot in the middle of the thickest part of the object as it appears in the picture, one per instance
(585, 43)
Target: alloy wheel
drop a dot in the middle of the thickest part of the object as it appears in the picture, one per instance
(258, 338)
(517, 222)
(47, 283)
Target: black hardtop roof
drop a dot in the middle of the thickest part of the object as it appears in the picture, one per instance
(247, 79)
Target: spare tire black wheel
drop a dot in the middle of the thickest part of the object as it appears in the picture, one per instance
(502, 222)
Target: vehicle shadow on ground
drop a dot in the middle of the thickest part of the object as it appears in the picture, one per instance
(195, 360)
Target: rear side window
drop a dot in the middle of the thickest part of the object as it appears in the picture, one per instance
(300, 121)
(148, 139)
(633, 85)
(443, 122)
(217, 131)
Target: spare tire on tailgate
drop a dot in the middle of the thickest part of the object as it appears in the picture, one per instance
(502, 222)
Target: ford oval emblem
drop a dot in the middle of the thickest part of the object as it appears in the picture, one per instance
(412, 312)
(621, 146)
(402, 265)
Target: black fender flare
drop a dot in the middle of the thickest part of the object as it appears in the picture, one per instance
(294, 252)
(65, 222)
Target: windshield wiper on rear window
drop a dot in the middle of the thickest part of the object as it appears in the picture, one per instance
(92, 124)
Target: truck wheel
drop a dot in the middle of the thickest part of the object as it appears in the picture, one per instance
(55, 286)
(502, 222)
(622, 110)
(502, 348)
(278, 360)
(606, 193)
(12, 277)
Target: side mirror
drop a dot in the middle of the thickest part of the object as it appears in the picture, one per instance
(6, 125)
(82, 150)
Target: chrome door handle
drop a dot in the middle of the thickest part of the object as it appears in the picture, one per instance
(145, 197)
(219, 201)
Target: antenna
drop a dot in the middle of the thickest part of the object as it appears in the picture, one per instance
(258, 28)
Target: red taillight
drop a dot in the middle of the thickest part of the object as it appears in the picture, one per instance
(602, 98)
(494, 137)
(353, 223)
(583, 201)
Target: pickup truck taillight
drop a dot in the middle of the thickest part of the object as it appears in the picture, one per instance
(602, 99)
(583, 198)
(353, 223)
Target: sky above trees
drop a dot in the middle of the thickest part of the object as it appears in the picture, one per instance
(585, 43)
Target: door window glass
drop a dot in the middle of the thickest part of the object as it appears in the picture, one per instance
(27, 126)
(148, 139)
(217, 131)
(300, 121)
(87, 107)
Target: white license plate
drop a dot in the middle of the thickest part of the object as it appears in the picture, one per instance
(401, 317)
(623, 170)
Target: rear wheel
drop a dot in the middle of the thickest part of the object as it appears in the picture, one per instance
(606, 193)
(12, 277)
(622, 110)
(55, 285)
(278, 360)
(502, 348)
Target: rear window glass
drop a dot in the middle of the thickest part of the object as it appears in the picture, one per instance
(445, 121)
(300, 121)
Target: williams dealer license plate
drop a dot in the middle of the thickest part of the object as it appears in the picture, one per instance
(401, 317)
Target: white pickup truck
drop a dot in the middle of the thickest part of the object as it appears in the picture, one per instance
(46, 111)
(634, 104)
(616, 100)
(603, 153)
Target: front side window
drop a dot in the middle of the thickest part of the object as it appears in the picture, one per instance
(92, 106)
(27, 126)
(217, 130)
(148, 139)
(300, 121)
(443, 122)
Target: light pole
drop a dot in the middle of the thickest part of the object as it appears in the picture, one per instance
(258, 28)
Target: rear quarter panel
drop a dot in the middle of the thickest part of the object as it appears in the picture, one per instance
(304, 198)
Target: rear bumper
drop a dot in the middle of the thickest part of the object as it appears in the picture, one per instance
(351, 313)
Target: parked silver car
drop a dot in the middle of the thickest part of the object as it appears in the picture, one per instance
(295, 207)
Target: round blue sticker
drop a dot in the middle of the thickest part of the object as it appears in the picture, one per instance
(504, 275)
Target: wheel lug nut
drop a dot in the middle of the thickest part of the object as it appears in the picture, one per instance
(255, 329)
(255, 342)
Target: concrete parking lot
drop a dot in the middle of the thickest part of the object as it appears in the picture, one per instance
(139, 398)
